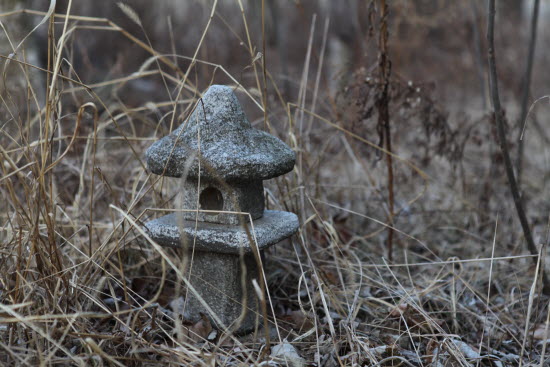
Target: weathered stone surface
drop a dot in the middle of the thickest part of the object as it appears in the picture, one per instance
(173, 229)
(230, 148)
(246, 197)
(218, 280)
(224, 161)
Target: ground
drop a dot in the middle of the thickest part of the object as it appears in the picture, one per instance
(83, 98)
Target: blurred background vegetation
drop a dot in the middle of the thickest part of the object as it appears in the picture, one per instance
(321, 89)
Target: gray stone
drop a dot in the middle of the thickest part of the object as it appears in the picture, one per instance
(224, 161)
(174, 231)
(230, 148)
(220, 282)
(245, 197)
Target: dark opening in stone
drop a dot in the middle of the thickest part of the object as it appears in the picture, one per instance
(211, 199)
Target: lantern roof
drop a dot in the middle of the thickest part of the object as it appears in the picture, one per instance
(218, 142)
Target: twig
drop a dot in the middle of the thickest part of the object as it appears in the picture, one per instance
(526, 85)
(384, 66)
(498, 115)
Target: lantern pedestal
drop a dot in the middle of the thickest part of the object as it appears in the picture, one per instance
(224, 283)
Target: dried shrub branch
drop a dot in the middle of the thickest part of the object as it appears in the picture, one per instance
(498, 114)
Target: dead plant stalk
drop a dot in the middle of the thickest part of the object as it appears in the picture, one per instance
(499, 120)
(382, 104)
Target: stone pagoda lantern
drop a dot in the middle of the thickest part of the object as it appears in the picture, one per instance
(223, 161)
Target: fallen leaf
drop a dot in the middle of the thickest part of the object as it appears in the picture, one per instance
(201, 329)
(286, 353)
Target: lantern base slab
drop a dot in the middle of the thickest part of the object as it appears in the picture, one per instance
(174, 231)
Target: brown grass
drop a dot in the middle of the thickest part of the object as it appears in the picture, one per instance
(81, 284)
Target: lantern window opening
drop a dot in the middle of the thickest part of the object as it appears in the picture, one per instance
(211, 199)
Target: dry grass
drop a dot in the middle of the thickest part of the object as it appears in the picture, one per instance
(81, 284)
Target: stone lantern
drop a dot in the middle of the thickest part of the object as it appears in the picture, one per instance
(223, 161)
